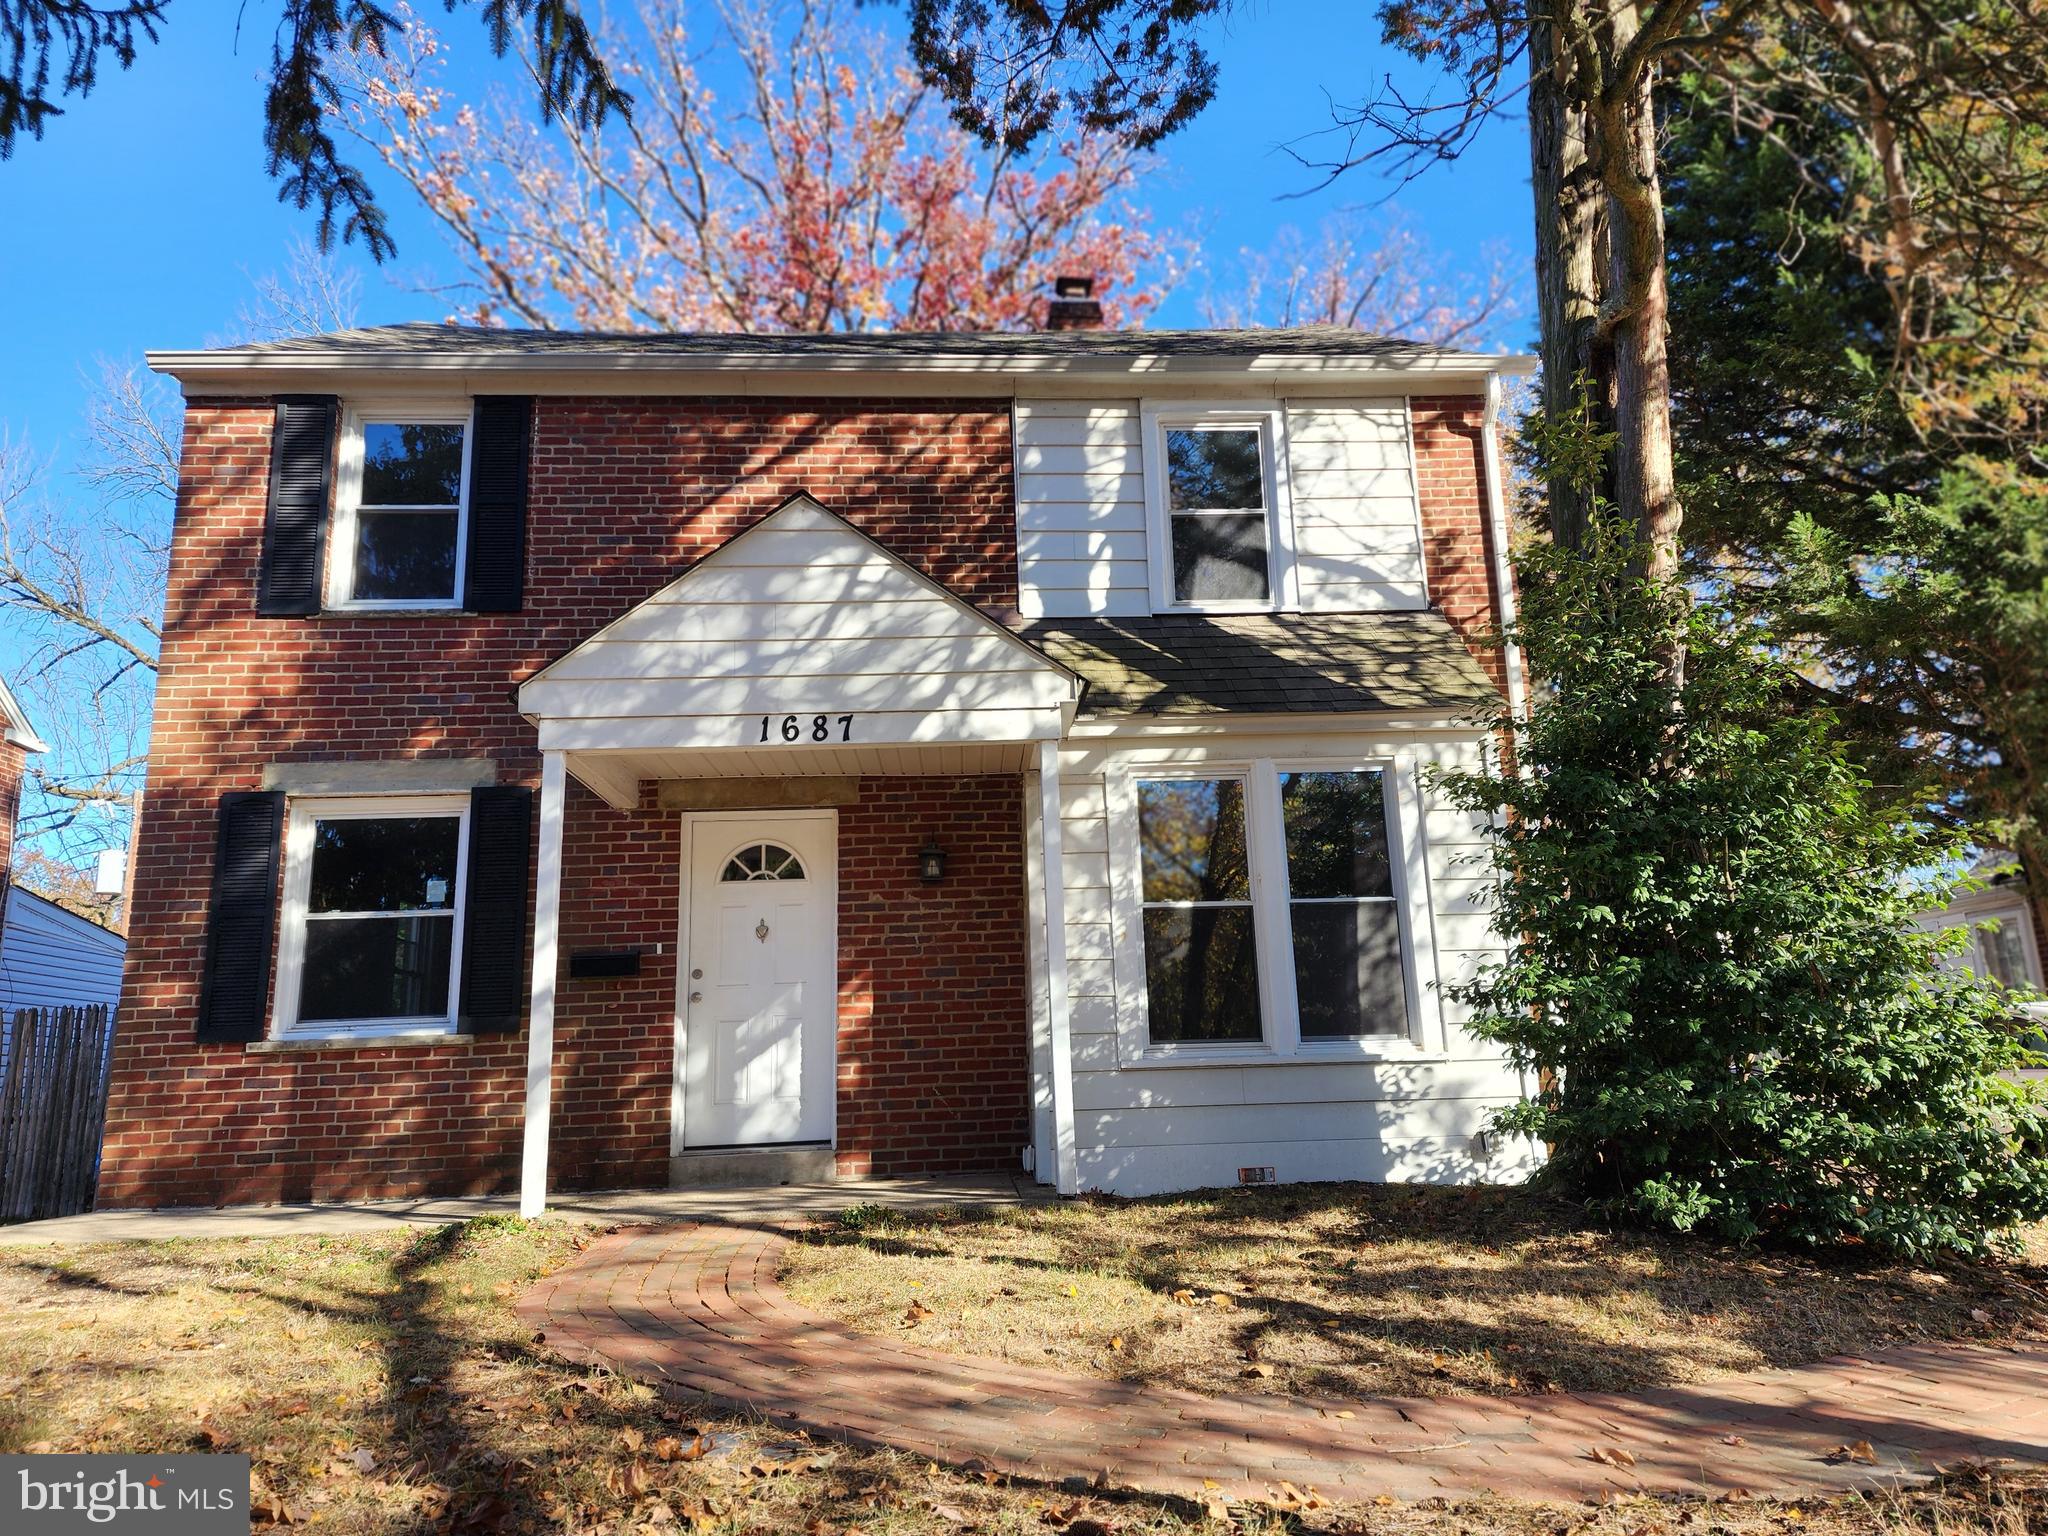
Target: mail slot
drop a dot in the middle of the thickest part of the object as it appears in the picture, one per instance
(597, 964)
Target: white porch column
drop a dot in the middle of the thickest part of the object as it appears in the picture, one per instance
(1067, 1173)
(540, 1038)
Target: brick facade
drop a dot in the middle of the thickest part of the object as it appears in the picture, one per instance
(1457, 532)
(625, 494)
(934, 1042)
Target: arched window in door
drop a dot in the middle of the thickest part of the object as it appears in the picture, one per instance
(763, 861)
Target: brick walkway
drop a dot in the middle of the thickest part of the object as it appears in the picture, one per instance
(697, 1309)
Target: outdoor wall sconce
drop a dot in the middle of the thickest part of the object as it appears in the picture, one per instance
(931, 864)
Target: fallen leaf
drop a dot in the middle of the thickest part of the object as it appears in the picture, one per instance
(1979, 1315)
(1612, 1456)
(1260, 1370)
(631, 1439)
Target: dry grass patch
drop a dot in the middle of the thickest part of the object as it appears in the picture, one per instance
(1354, 1290)
(383, 1387)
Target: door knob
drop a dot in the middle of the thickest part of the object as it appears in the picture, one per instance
(696, 997)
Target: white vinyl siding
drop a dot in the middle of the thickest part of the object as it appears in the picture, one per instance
(799, 616)
(1417, 1114)
(1357, 524)
(1080, 509)
(50, 958)
(1351, 504)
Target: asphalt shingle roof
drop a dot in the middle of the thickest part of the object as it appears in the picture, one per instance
(1310, 663)
(427, 338)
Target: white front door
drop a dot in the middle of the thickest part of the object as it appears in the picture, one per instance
(758, 1007)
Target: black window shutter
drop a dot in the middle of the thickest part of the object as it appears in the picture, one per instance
(295, 523)
(494, 909)
(242, 918)
(494, 575)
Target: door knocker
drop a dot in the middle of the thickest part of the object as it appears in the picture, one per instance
(761, 930)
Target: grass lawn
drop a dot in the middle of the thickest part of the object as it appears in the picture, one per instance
(383, 1385)
(1357, 1290)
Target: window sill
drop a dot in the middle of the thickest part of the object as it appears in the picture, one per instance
(1368, 1053)
(427, 1037)
(389, 610)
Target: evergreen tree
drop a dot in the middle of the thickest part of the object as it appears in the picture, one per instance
(1885, 525)
(1712, 965)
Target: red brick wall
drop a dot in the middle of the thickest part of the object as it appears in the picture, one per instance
(934, 1034)
(1457, 532)
(625, 494)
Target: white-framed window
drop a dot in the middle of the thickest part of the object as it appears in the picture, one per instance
(2002, 948)
(1202, 973)
(1270, 910)
(401, 508)
(1344, 918)
(1217, 504)
(374, 888)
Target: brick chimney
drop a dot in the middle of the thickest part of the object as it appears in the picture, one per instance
(1074, 306)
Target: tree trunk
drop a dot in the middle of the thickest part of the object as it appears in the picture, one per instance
(1577, 367)
(1639, 308)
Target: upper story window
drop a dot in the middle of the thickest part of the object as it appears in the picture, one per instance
(1216, 510)
(401, 511)
(1217, 487)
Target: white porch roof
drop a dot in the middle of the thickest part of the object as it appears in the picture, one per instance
(805, 619)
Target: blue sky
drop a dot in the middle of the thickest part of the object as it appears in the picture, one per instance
(147, 213)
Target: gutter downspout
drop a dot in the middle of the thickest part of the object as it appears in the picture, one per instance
(1503, 576)
(1503, 569)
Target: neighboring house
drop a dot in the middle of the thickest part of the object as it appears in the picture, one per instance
(51, 958)
(605, 761)
(18, 742)
(2005, 939)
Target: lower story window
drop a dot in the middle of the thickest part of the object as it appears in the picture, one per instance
(1308, 857)
(1201, 959)
(1346, 923)
(373, 916)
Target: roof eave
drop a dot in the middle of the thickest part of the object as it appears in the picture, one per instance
(18, 729)
(228, 367)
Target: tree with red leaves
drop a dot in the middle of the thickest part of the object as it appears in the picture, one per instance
(830, 194)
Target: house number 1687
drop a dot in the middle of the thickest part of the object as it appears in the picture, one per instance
(816, 728)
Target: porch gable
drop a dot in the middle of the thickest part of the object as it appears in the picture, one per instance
(800, 646)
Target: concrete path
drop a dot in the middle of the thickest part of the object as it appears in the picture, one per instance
(698, 1310)
(754, 1203)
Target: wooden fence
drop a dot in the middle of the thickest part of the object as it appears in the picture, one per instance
(53, 1100)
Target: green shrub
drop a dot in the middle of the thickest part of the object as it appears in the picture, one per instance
(1712, 973)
